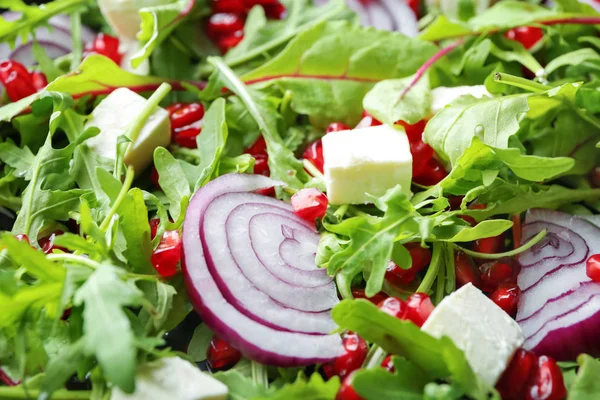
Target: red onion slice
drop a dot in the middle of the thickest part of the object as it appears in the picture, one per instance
(559, 309)
(254, 339)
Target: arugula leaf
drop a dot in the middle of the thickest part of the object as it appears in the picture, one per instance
(199, 343)
(211, 142)
(157, 24)
(576, 57)
(534, 168)
(241, 387)
(108, 332)
(406, 382)
(306, 388)
(21, 159)
(586, 385)
(172, 179)
(136, 230)
(329, 68)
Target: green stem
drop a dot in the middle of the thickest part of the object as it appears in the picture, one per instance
(535, 240)
(344, 286)
(259, 374)
(124, 189)
(341, 211)
(314, 171)
(522, 83)
(375, 357)
(72, 258)
(77, 42)
(432, 271)
(450, 269)
(440, 289)
(136, 126)
(17, 392)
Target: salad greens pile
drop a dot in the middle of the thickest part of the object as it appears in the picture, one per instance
(89, 314)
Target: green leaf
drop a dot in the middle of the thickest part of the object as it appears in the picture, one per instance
(329, 68)
(586, 385)
(199, 343)
(108, 333)
(572, 58)
(406, 382)
(241, 387)
(386, 102)
(172, 179)
(20, 159)
(157, 24)
(33, 261)
(28, 299)
(134, 217)
(314, 388)
(534, 168)
(212, 141)
(63, 366)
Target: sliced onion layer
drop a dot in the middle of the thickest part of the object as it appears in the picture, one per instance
(248, 273)
(559, 309)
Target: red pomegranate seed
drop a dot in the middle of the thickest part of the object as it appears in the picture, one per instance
(269, 192)
(336, 127)
(174, 107)
(261, 164)
(546, 381)
(220, 354)
(507, 297)
(16, 80)
(512, 382)
(421, 257)
(251, 3)
(275, 11)
(221, 24)
(466, 272)
(346, 391)
(491, 245)
(185, 114)
(153, 227)
(106, 45)
(47, 243)
(422, 153)
(455, 202)
(418, 308)
(186, 137)
(167, 255)
(388, 364)
(154, 178)
(39, 80)
(314, 154)
(368, 120)
(228, 42)
(592, 267)
(309, 204)
(21, 237)
(493, 274)
(360, 294)
(356, 350)
(528, 36)
(393, 306)
(414, 131)
(433, 173)
(415, 6)
(228, 6)
(258, 147)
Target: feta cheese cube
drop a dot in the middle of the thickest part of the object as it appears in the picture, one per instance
(113, 116)
(442, 96)
(366, 161)
(172, 378)
(481, 329)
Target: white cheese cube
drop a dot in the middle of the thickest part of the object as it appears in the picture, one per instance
(482, 330)
(172, 378)
(366, 161)
(442, 96)
(113, 116)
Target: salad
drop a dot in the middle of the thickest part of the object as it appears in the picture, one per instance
(281, 199)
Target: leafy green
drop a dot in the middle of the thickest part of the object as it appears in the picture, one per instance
(406, 382)
(211, 142)
(171, 179)
(329, 68)
(306, 388)
(241, 387)
(585, 386)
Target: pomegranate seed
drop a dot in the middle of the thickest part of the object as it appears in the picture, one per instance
(415, 6)
(173, 107)
(422, 153)
(21, 237)
(592, 267)
(221, 24)
(336, 127)
(314, 154)
(356, 350)
(546, 382)
(39, 80)
(360, 294)
(418, 308)
(261, 164)
(466, 272)
(507, 297)
(455, 202)
(528, 36)
(186, 137)
(228, 42)
(275, 11)
(414, 131)
(106, 45)
(433, 173)
(16, 80)
(228, 6)
(251, 3)
(512, 382)
(491, 245)
(368, 120)
(259, 147)
(153, 227)
(185, 114)
(221, 354)
(167, 255)
(393, 306)
(388, 364)
(493, 274)
(47, 243)
(421, 257)
(346, 391)
(154, 178)
(269, 192)
(309, 204)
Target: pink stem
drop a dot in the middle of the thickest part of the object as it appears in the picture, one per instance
(429, 63)
(573, 20)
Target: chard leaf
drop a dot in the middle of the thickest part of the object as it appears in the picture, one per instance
(329, 68)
